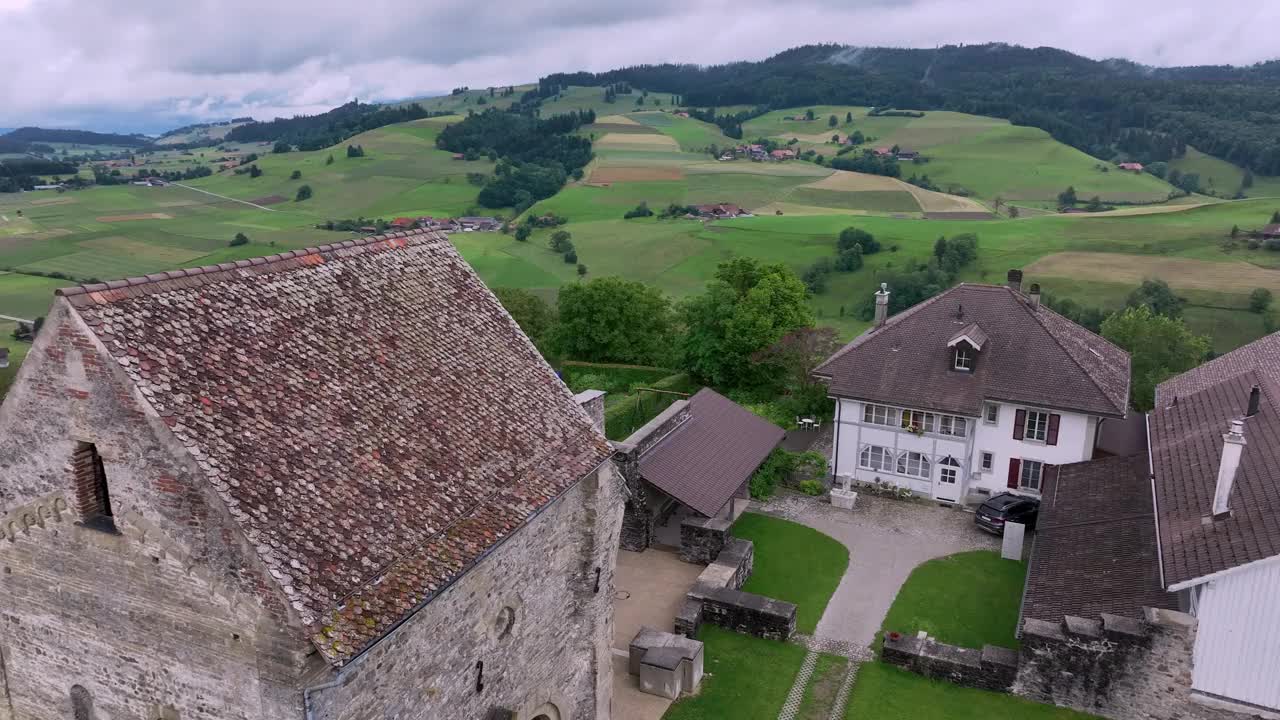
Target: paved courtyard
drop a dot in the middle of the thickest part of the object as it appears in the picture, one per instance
(886, 539)
(651, 587)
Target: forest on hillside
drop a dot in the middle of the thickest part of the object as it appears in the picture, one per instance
(1104, 107)
(315, 132)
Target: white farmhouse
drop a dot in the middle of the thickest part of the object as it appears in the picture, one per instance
(974, 391)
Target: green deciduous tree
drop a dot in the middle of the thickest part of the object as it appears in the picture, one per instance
(1260, 300)
(561, 241)
(523, 232)
(534, 316)
(1157, 295)
(747, 307)
(304, 193)
(614, 320)
(239, 239)
(851, 236)
(833, 121)
(1159, 346)
(295, 175)
(1067, 198)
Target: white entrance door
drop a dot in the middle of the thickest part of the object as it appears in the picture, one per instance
(947, 485)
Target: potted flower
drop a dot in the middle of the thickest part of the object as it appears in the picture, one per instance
(895, 636)
(916, 430)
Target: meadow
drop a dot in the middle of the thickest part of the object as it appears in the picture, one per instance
(655, 157)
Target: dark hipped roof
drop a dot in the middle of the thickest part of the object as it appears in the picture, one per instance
(1262, 355)
(1095, 546)
(1032, 355)
(1186, 449)
(704, 461)
(371, 416)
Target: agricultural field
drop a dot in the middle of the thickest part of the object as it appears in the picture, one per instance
(655, 157)
(125, 230)
(982, 157)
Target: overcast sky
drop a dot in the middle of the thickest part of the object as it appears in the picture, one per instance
(151, 64)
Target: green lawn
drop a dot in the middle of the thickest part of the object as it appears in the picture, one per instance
(17, 351)
(747, 678)
(793, 563)
(967, 599)
(883, 692)
(820, 695)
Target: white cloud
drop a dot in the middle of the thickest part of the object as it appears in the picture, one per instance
(71, 61)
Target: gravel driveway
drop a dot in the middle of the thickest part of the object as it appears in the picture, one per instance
(886, 539)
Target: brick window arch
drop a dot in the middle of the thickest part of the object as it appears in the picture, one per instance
(93, 495)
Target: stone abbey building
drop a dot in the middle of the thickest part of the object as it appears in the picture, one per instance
(333, 484)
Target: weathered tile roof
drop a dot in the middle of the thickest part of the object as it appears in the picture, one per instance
(1032, 355)
(1262, 355)
(1095, 545)
(1186, 449)
(705, 460)
(371, 416)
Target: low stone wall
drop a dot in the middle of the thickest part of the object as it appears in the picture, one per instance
(731, 568)
(991, 668)
(702, 539)
(750, 614)
(1116, 667)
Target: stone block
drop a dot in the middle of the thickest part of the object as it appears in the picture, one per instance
(661, 672)
(650, 638)
(843, 498)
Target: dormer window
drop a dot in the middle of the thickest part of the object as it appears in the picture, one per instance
(965, 346)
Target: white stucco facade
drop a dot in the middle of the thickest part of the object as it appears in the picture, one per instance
(1237, 652)
(882, 449)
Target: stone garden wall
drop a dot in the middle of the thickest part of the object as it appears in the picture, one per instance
(991, 668)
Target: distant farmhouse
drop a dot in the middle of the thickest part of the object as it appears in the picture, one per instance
(720, 211)
(1131, 166)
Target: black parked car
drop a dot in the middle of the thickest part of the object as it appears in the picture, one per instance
(1007, 507)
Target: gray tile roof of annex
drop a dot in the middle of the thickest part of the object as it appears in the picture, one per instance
(371, 416)
(1095, 543)
(1032, 355)
(1186, 449)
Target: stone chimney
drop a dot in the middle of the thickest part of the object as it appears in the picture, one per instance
(1015, 280)
(882, 304)
(1035, 295)
(1233, 443)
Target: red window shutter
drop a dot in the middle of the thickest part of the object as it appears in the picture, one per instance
(1019, 424)
(1052, 437)
(1015, 471)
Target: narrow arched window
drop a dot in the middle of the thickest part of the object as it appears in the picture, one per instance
(93, 495)
(81, 703)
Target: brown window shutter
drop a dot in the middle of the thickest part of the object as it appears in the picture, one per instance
(1052, 437)
(1019, 424)
(1015, 471)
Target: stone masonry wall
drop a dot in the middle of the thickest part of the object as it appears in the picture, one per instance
(1115, 667)
(593, 402)
(171, 613)
(702, 539)
(991, 668)
(750, 614)
(638, 520)
(531, 612)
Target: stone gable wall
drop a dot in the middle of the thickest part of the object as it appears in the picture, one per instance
(557, 650)
(1115, 667)
(167, 614)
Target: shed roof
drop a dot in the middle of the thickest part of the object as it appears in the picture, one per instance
(704, 461)
(372, 418)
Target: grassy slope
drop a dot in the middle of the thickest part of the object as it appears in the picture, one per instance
(1223, 176)
(402, 174)
(793, 563)
(968, 599)
(883, 692)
